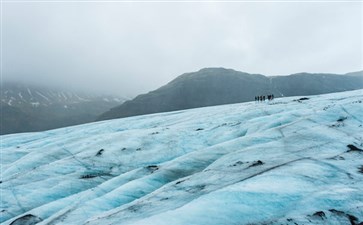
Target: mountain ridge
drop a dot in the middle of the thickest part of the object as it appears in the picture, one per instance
(27, 108)
(217, 86)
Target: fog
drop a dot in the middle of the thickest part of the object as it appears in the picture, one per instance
(130, 48)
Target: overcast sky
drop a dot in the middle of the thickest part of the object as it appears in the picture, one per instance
(131, 48)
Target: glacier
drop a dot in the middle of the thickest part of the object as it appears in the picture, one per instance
(293, 160)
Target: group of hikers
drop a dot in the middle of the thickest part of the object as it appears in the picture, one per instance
(262, 98)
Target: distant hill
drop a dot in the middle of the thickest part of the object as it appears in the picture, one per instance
(217, 86)
(26, 108)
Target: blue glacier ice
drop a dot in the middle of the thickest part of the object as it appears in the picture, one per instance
(287, 161)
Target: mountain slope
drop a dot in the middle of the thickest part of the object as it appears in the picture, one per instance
(290, 161)
(312, 84)
(29, 108)
(217, 86)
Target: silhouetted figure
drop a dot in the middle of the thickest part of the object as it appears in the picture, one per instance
(272, 97)
(262, 98)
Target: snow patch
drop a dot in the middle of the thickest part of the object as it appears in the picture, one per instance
(43, 96)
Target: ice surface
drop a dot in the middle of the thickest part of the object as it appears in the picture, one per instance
(282, 162)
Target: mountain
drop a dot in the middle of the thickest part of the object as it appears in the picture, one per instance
(217, 86)
(294, 160)
(27, 108)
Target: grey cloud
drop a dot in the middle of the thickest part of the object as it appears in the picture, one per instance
(130, 48)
